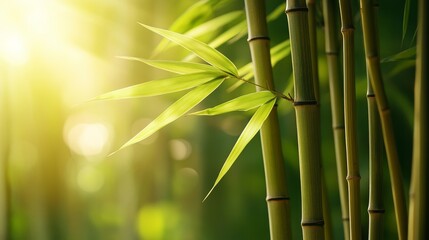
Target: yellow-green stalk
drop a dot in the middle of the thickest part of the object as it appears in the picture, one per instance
(308, 127)
(315, 71)
(337, 107)
(375, 206)
(373, 65)
(418, 222)
(275, 176)
(353, 175)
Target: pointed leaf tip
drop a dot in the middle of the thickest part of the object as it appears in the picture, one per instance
(204, 51)
(248, 133)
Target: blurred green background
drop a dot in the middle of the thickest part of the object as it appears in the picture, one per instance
(56, 179)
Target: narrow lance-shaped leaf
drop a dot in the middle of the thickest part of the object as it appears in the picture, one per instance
(205, 52)
(194, 15)
(248, 133)
(176, 66)
(175, 111)
(162, 86)
(405, 19)
(215, 23)
(407, 54)
(242, 103)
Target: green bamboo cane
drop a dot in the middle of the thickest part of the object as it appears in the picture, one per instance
(337, 110)
(315, 71)
(418, 221)
(308, 127)
(275, 176)
(375, 206)
(373, 66)
(353, 175)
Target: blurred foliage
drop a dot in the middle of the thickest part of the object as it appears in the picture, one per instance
(56, 181)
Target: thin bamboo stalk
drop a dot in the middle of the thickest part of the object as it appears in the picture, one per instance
(373, 66)
(308, 128)
(315, 71)
(353, 175)
(275, 176)
(337, 108)
(375, 206)
(418, 221)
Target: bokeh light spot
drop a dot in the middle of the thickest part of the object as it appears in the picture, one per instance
(90, 179)
(180, 149)
(88, 139)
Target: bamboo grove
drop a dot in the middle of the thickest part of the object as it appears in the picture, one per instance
(302, 28)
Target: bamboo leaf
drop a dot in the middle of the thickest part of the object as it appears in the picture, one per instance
(248, 133)
(194, 15)
(175, 111)
(278, 11)
(242, 103)
(215, 23)
(176, 66)
(229, 34)
(159, 87)
(205, 52)
(405, 19)
(407, 54)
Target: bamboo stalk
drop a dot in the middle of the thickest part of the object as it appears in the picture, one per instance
(275, 176)
(315, 71)
(373, 66)
(308, 128)
(353, 175)
(375, 206)
(418, 223)
(337, 110)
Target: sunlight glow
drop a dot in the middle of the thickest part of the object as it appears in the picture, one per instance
(88, 139)
(13, 48)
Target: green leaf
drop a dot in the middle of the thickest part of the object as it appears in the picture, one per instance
(193, 16)
(229, 34)
(248, 133)
(405, 19)
(205, 52)
(175, 111)
(163, 86)
(407, 54)
(176, 66)
(278, 11)
(214, 24)
(242, 103)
